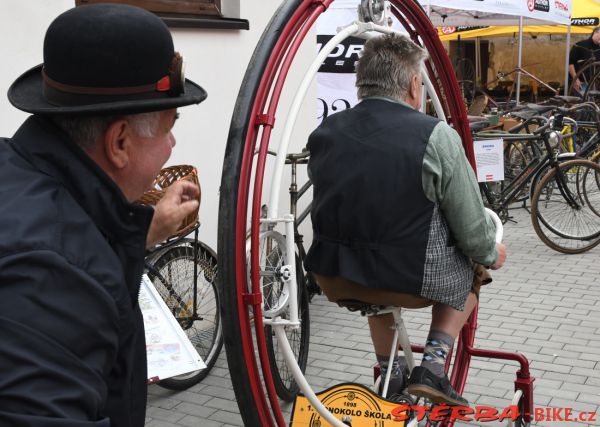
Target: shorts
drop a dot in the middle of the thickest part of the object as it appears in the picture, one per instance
(339, 288)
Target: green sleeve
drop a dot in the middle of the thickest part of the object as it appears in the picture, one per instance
(449, 180)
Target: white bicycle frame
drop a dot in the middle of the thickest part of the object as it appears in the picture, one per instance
(279, 325)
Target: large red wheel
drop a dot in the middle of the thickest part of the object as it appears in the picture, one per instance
(242, 186)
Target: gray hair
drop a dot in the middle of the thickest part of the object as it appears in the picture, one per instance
(387, 65)
(595, 30)
(85, 131)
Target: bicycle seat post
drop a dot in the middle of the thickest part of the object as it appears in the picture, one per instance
(400, 336)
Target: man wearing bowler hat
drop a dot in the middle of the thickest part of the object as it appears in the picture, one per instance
(72, 243)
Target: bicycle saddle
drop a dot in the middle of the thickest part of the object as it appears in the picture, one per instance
(567, 99)
(365, 308)
(524, 114)
(540, 109)
(477, 123)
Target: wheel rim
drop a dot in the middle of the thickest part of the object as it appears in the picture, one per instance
(258, 119)
(178, 273)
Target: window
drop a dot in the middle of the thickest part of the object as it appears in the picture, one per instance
(223, 14)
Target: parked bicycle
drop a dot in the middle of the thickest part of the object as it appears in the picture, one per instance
(184, 272)
(562, 188)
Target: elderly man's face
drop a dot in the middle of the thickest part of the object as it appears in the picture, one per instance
(596, 37)
(152, 153)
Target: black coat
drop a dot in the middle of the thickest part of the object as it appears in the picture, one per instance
(72, 349)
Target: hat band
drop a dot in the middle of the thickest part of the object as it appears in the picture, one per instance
(173, 84)
(163, 85)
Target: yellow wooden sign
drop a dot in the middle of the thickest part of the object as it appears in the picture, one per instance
(354, 402)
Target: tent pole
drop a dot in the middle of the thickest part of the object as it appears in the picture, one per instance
(519, 59)
(566, 90)
(477, 61)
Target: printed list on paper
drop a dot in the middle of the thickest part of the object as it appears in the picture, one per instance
(489, 160)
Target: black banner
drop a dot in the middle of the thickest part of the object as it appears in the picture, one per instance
(343, 58)
(584, 22)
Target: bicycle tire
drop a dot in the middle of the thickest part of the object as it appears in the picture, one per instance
(172, 273)
(591, 91)
(584, 75)
(515, 162)
(591, 190)
(554, 220)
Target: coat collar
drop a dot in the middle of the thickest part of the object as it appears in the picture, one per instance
(51, 151)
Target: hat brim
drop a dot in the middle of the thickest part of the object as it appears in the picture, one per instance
(26, 94)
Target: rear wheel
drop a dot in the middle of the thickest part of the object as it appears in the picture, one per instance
(172, 274)
(563, 210)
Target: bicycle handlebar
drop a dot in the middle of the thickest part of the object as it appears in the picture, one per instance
(498, 223)
(568, 121)
(542, 128)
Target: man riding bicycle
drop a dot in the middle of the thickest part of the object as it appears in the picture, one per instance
(397, 216)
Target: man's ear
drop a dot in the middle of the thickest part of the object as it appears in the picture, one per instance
(416, 86)
(117, 143)
(413, 88)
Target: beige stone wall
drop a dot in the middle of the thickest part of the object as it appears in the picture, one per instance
(543, 56)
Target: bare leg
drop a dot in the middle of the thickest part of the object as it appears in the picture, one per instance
(382, 333)
(449, 320)
(444, 319)
(429, 379)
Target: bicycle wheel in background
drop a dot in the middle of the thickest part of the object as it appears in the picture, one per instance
(568, 227)
(585, 75)
(275, 296)
(283, 380)
(592, 90)
(172, 273)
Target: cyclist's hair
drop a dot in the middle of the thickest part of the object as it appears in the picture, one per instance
(595, 30)
(386, 66)
(85, 131)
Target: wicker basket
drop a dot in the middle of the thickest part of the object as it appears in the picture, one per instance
(163, 180)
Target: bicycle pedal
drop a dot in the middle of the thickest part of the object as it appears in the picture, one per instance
(402, 398)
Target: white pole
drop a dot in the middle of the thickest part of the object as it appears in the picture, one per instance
(356, 29)
(566, 90)
(292, 364)
(295, 108)
(519, 59)
(477, 60)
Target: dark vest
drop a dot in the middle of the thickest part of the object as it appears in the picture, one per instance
(372, 222)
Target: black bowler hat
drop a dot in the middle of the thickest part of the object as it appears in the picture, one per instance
(106, 59)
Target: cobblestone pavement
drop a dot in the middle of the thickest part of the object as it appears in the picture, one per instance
(543, 304)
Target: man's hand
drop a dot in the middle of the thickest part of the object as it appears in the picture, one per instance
(577, 85)
(179, 201)
(501, 256)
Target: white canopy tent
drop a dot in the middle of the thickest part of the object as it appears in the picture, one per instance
(501, 12)
(454, 13)
(335, 80)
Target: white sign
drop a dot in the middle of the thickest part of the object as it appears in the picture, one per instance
(168, 349)
(489, 160)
